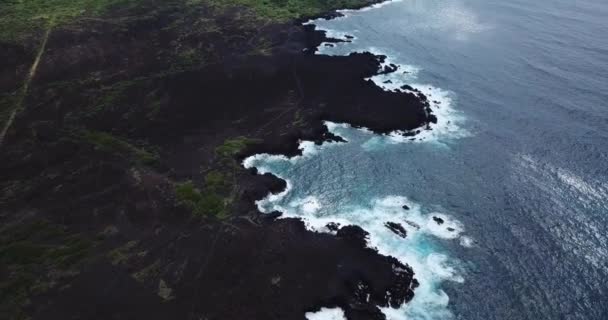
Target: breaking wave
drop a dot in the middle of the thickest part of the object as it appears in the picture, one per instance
(419, 243)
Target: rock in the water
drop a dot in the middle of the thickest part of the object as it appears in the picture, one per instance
(438, 220)
(396, 228)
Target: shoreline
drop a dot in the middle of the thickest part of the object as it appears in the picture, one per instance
(322, 138)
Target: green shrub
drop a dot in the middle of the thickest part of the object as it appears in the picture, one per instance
(210, 204)
(216, 181)
(187, 194)
(206, 203)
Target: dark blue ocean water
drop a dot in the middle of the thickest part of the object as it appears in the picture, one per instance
(518, 166)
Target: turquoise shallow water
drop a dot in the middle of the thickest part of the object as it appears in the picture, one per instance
(517, 165)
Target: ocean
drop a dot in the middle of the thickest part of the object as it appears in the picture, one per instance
(507, 195)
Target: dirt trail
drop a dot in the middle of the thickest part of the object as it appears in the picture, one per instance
(26, 84)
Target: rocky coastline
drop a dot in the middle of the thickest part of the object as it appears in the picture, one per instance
(121, 114)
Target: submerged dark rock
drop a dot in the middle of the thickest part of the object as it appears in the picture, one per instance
(413, 224)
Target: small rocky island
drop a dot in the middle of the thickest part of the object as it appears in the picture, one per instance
(123, 126)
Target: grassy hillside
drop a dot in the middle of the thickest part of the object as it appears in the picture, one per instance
(21, 17)
(283, 10)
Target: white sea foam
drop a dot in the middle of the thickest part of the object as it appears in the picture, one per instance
(419, 248)
(347, 12)
(441, 102)
(309, 205)
(326, 314)
(466, 242)
(308, 149)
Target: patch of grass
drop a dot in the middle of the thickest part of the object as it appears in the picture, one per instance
(21, 17)
(36, 256)
(201, 203)
(187, 193)
(188, 59)
(119, 98)
(115, 145)
(123, 253)
(220, 184)
(148, 272)
(110, 96)
(216, 181)
(43, 244)
(211, 204)
(285, 10)
(232, 147)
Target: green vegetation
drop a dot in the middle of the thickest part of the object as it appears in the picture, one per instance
(122, 254)
(206, 203)
(216, 181)
(220, 185)
(108, 143)
(111, 95)
(232, 147)
(151, 271)
(23, 17)
(284, 10)
(20, 17)
(37, 255)
(188, 59)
